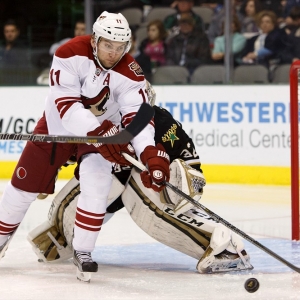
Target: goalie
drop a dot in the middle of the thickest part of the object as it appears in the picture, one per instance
(164, 215)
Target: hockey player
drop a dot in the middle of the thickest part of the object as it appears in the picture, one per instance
(164, 216)
(93, 81)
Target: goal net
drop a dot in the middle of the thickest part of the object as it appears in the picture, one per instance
(294, 123)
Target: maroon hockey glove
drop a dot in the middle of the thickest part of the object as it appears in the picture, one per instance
(111, 152)
(157, 162)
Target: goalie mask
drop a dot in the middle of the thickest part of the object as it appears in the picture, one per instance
(113, 27)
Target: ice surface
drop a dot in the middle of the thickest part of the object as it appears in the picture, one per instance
(134, 266)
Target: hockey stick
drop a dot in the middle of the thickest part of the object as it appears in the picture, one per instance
(139, 122)
(216, 217)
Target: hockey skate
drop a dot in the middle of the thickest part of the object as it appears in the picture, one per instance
(85, 265)
(224, 262)
(4, 247)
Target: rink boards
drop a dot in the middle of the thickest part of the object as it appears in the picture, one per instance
(240, 132)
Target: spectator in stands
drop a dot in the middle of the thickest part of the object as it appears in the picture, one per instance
(238, 42)
(281, 8)
(14, 56)
(268, 44)
(293, 22)
(292, 51)
(43, 78)
(13, 51)
(140, 57)
(190, 47)
(218, 18)
(210, 3)
(79, 30)
(286, 7)
(154, 45)
(248, 12)
(182, 7)
(277, 6)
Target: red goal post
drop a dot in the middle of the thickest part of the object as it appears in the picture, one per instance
(294, 127)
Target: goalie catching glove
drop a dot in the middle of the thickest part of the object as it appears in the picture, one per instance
(111, 152)
(187, 179)
(157, 162)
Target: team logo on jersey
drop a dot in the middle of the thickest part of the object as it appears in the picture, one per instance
(98, 71)
(136, 69)
(96, 104)
(170, 135)
(21, 173)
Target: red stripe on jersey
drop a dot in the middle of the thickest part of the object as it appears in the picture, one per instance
(87, 228)
(152, 122)
(65, 109)
(64, 103)
(63, 100)
(6, 229)
(128, 118)
(3, 232)
(9, 225)
(89, 221)
(90, 213)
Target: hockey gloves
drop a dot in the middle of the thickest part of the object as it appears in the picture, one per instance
(111, 152)
(157, 162)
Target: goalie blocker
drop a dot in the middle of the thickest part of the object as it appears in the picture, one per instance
(163, 216)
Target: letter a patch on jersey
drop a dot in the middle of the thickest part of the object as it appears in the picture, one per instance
(134, 67)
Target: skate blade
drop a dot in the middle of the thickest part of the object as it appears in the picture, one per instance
(83, 276)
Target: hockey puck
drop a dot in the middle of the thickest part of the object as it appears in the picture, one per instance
(251, 285)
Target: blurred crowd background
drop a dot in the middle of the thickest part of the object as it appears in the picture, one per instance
(175, 42)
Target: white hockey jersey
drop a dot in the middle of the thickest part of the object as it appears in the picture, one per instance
(77, 83)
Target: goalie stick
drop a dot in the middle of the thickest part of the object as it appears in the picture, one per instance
(139, 122)
(217, 218)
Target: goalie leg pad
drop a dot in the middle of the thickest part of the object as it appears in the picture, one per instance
(161, 225)
(186, 179)
(48, 244)
(70, 191)
(60, 224)
(220, 239)
(225, 253)
(189, 233)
